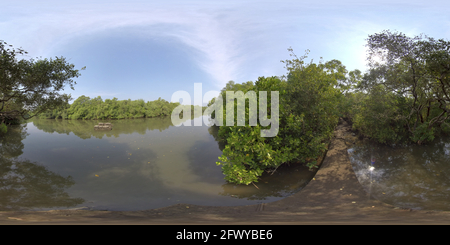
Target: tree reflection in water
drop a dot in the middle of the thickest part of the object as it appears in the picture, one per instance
(149, 177)
(287, 180)
(85, 128)
(28, 185)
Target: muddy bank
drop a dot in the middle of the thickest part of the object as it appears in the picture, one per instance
(334, 196)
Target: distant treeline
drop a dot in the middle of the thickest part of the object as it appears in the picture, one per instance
(97, 109)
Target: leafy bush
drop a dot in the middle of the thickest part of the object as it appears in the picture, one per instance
(309, 97)
(406, 95)
(380, 115)
(3, 128)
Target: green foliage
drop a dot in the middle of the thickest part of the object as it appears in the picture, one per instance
(349, 98)
(86, 108)
(423, 134)
(29, 87)
(406, 91)
(3, 128)
(309, 99)
(246, 153)
(379, 115)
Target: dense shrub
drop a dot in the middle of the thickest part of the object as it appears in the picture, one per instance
(406, 89)
(308, 100)
(86, 108)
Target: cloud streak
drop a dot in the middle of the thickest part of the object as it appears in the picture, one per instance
(214, 38)
(228, 40)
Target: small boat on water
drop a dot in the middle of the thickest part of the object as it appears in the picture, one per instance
(107, 126)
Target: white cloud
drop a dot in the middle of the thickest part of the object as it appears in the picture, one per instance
(229, 40)
(215, 39)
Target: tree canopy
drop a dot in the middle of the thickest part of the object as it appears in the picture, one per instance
(404, 97)
(309, 98)
(409, 85)
(29, 87)
(95, 108)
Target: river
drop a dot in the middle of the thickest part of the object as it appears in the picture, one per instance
(140, 164)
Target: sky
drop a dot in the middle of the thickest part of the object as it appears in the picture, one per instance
(151, 49)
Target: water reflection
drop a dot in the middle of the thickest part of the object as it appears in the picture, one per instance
(25, 184)
(407, 176)
(214, 131)
(286, 181)
(84, 128)
(140, 164)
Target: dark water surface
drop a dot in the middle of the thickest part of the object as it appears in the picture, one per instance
(416, 177)
(140, 164)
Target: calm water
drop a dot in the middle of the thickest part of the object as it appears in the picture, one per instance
(416, 177)
(140, 164)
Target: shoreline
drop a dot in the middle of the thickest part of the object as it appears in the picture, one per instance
(334, 196)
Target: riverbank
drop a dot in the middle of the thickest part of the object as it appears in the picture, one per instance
(334, 196)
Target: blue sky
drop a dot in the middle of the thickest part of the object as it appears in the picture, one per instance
(150, 49)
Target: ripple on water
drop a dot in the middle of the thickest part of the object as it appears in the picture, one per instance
(416, 177)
